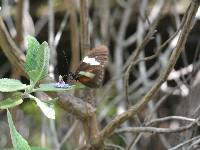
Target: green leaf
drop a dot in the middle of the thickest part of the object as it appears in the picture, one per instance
(14, 100)
(19, 143)
(44, 59)
(47, 109)
(32, 52)
(11, 85)
(37, 60)
(51, 87)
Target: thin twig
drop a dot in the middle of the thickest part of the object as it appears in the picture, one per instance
(164, 119)
(184, 143)
(69, 133)
(84, 27)
(53, 53)
(113, 146)
(157, 130)
(60, 31)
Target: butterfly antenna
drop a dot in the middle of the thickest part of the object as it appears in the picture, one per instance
(65, 76)
(72, 76)
(65, 57)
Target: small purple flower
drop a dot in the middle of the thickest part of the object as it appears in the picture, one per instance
(61, 83)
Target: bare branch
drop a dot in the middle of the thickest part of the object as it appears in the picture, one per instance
(155, 130)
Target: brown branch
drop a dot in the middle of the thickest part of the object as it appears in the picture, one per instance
(90, 125)
(84, 27)
(20, 24)
(74, 34)
(12, 52)
(194, 123)
(104, 10)
(161, 120)
(76, 106)
(117, 121)
(155, 130)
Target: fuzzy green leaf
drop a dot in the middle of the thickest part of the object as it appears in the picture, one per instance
(32, 52)
(11, 85)
(12, 101)
(47, 108)
(19, 143)
(37, 60)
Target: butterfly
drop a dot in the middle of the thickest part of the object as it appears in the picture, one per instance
(91, 70)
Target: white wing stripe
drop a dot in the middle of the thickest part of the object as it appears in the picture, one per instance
(91, 61)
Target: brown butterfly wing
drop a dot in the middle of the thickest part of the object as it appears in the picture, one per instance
(100, 54)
